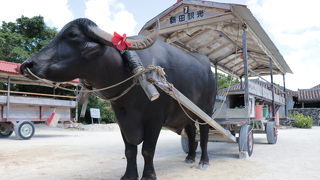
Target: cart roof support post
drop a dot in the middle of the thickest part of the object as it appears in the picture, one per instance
(285, 97)
(246, 71)
(8, 97)
(272, 88)
(77, 105)
(216, 74)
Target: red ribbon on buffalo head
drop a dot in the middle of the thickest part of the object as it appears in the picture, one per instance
(120, 41)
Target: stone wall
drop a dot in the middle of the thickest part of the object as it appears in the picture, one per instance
(314, 113)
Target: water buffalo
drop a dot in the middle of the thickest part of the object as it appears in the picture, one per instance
(82, 50)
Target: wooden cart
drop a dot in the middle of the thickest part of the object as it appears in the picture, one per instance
(232, 38)
(18, 110)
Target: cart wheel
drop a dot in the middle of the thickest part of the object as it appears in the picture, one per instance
(246, 140)
(4, 133)
(24, 130)
(272, 132)
(185, 144)
(6, 130)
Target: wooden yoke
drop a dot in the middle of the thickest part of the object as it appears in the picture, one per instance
(148, 87)
(136, 66)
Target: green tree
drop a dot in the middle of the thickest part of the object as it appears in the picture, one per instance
(20, 39)
(225, 81)
(107, 114)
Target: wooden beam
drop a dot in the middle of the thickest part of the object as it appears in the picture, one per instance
(241, 62)
(218, 49)
(206, 45)
(37, 94)
(181, 45)
(224, 57)
(188, 104)
(229, 71)
(192, 38)
(238, 46)
(232, 59)
(176, 36)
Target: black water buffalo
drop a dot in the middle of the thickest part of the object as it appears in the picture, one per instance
(82, 50)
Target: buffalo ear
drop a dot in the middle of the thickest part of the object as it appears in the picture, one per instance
(91, 50)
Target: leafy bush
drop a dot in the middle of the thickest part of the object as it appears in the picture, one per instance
(302, 121)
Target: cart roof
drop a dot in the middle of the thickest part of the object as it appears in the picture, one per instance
(215, 30)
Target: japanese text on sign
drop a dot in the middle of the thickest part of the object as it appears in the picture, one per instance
(187, 16)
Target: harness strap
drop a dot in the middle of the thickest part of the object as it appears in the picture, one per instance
(133, 77)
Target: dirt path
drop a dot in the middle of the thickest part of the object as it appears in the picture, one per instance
(71, 154)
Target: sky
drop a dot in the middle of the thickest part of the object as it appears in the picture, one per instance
(293, 25)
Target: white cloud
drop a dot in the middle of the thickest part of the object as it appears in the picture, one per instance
(111, 16)
(55, 12)
(294, 26)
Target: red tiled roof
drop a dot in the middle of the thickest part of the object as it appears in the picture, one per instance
(309, 95)
(316, 87)
(14, 68)
(9, 67)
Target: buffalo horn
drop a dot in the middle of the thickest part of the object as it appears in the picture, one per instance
(144, 42)
(136, 44)
(103, 35)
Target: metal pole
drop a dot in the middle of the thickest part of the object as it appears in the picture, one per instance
(285, 97)
(216, 74)
(77, 103)
(245, 59)
(8, 97)
(272, 88)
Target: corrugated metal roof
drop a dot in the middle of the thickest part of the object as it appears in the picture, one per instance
(266, 85)
(215, 30)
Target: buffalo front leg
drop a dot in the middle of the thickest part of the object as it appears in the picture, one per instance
(191, 133)
(148, 149)
(131, 156)
(204, 160)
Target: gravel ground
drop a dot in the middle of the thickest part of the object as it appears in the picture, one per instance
(97, 152)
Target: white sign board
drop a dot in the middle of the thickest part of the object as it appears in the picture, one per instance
(95, 113)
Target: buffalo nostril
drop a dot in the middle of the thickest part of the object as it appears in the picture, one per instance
(29, 65)
(25, 65)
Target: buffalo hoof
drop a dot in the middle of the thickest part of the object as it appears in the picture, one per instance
(189, 161)
(150, 177)
(203, 165)
(129, 178)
